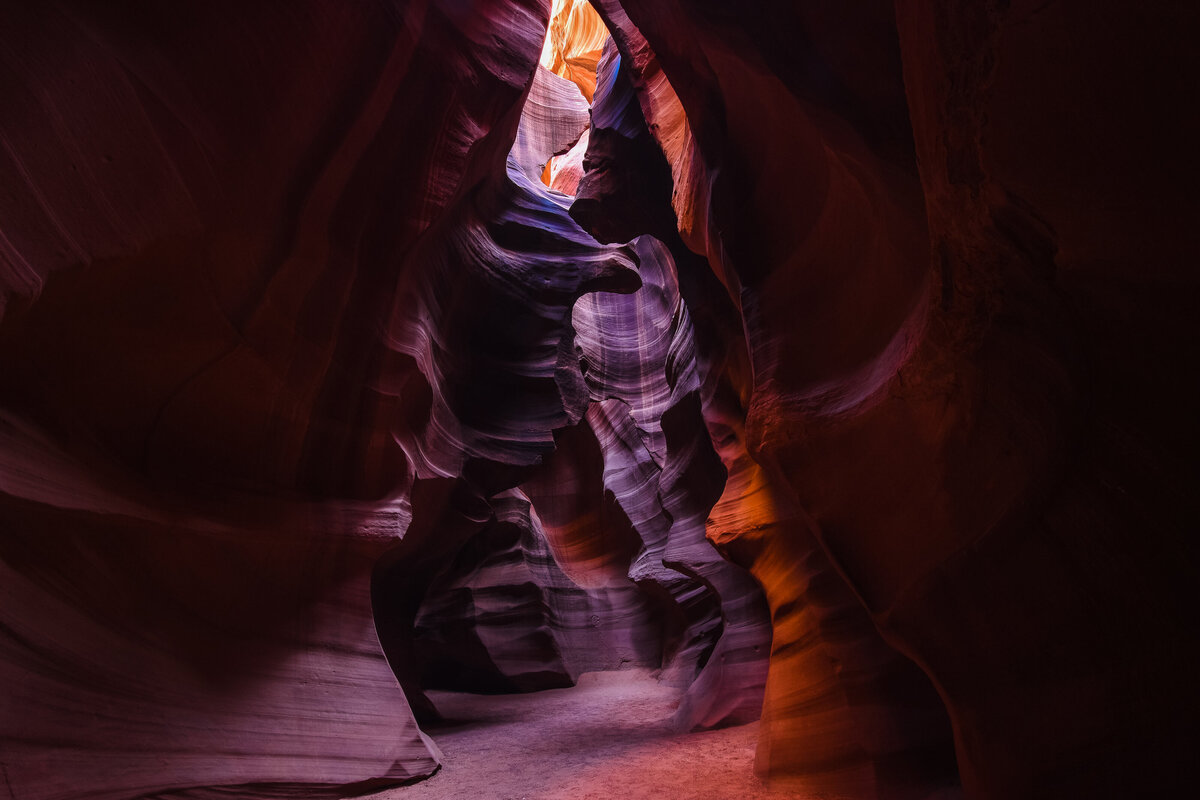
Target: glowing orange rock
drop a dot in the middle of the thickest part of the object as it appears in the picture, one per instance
(567, 170)
(573, 43)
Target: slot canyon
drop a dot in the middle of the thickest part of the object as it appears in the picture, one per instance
(562, 401)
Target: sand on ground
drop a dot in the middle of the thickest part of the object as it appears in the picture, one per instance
(608, 737)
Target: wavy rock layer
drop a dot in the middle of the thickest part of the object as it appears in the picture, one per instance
(849, 725)
(503, 617)
(896, 308)
(151, 646)
(928, 382)
(207, 411)
(575, 37)
(634, 542)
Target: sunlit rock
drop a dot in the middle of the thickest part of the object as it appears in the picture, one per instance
(573, 43)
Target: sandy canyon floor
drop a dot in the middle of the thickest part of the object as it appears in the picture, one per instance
(608, 737)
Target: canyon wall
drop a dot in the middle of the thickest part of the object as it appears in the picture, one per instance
(276, 353)
(211, 418)
(838, 367)
(936, 222)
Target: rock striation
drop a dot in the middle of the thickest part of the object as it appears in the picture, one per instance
(574, 39)
(503, 617)
(927, 383)
(820, 718)
(208, 237)
(618, 503)
(831, 361)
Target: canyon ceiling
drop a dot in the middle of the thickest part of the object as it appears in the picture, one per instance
(835, 359)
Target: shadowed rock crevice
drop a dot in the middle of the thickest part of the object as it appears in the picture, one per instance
(608, 534)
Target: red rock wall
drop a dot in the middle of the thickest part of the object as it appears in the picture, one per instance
(842, 707)
(287, 317)
(285, 348)
(209, 212)
(934, 276)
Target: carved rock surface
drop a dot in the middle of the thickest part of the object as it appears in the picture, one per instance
(566, 170)
(503, 617)
(574, 40)
(610, 530)
(848, 726)
(311, 385)
(163, 645)
(930, 378)
(554, 120)
(206, 226)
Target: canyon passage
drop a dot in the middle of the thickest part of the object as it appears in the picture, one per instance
(536, 398)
